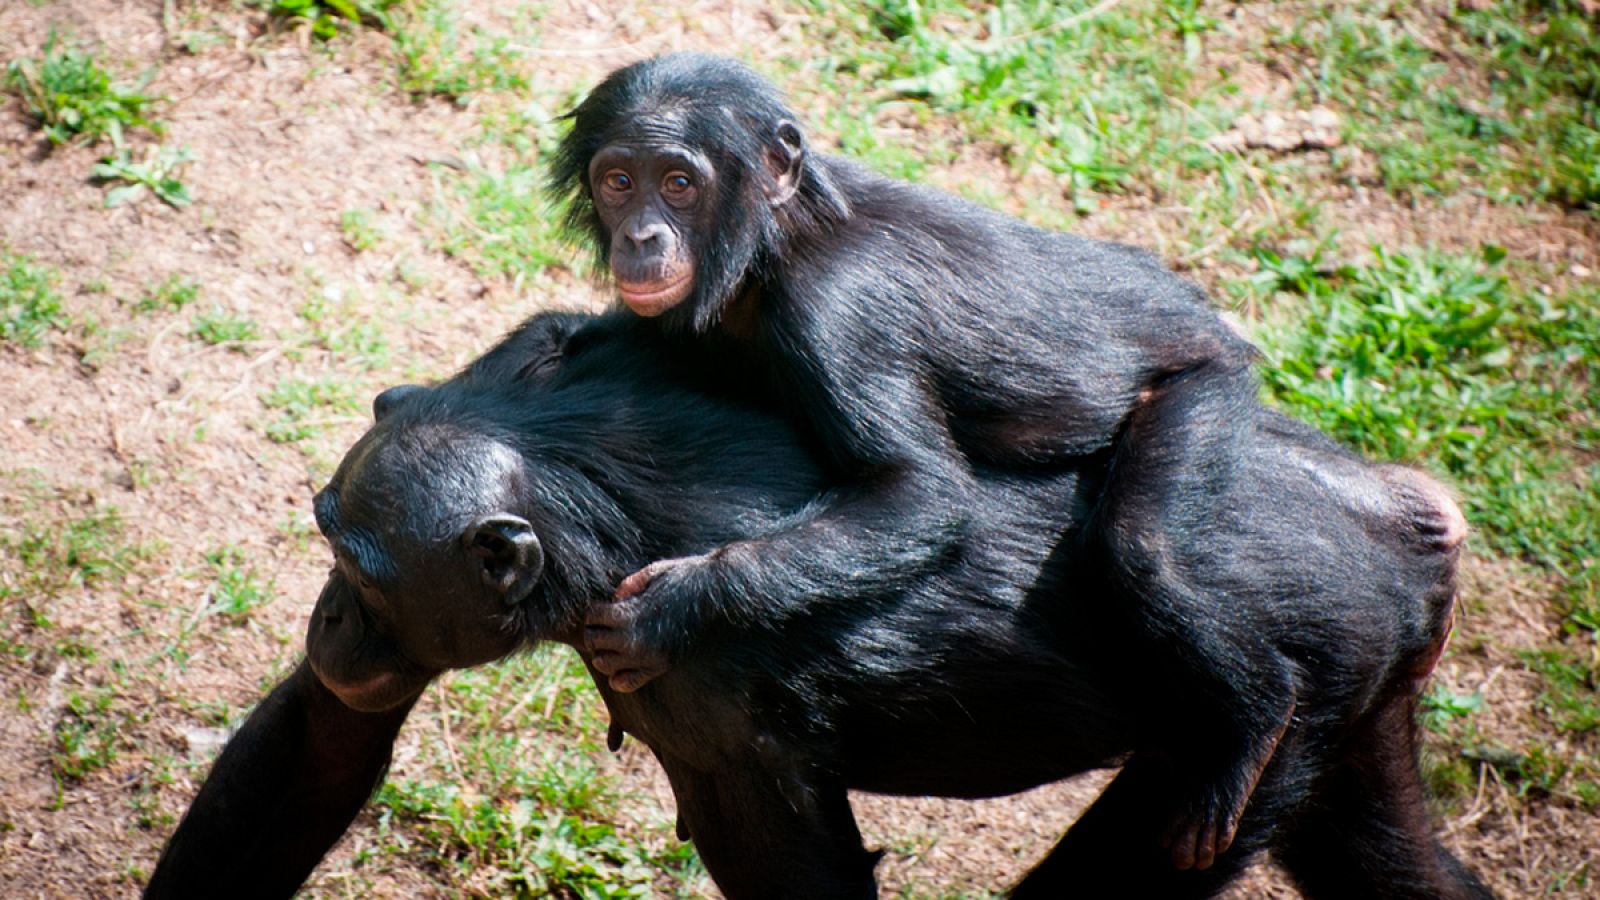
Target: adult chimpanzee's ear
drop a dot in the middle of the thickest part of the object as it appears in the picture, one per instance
(509, 555)
(385, 402)
(786, 156)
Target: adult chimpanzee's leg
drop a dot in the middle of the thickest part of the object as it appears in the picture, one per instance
(1112, 851)
(757, 844)
(1168, 490)
(1366, 832)
(282, 792)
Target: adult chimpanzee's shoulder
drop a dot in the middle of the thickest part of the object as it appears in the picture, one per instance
(528, 350)
(552, 342)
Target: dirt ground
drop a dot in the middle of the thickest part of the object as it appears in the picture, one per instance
(128, 410)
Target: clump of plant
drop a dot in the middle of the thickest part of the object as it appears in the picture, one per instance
(176, 292)
(29, 303)
(73, 98)
(157, 173)
(325, 18)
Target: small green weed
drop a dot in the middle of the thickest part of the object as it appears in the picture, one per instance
(362, 342)
(326, 18)
(175, 293)
(360, 232)
(146, 800)
(308, 407)
(1440, 706)
(345, 329)
(29, 304)
(100, 340)
(85, 736)
(221, 327)
(238, 590)
(157, 173)
(73, 98)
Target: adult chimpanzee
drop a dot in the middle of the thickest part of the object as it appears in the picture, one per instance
(921, 336)
(492, 510)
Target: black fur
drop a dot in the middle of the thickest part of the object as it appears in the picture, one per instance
(985, 675)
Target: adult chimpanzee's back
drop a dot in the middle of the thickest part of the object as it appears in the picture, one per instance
(916, 335)
(490, 511)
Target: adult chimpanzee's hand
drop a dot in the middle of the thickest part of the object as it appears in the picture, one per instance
(628, 646)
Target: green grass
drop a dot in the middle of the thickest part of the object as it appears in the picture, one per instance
(1121, 101)
(85, 735)
(539, 816)
(1571, 700)
(73, 98)
(173, 293)
(1090, 99)
(1526, 130)
(306, 408)
(74, 551)
(440, 57)
(500, 223)
(219, 327)
(238, 590)
(29, 304)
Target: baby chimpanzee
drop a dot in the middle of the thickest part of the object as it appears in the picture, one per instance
(924, 339)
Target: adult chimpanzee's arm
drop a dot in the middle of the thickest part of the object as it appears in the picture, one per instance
(282, 792)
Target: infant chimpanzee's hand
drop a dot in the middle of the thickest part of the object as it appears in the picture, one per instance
(623, 634)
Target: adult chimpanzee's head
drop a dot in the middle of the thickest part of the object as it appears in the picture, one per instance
(685, 170)
(430, 566)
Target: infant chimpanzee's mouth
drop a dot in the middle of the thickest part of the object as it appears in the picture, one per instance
(654, 297)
